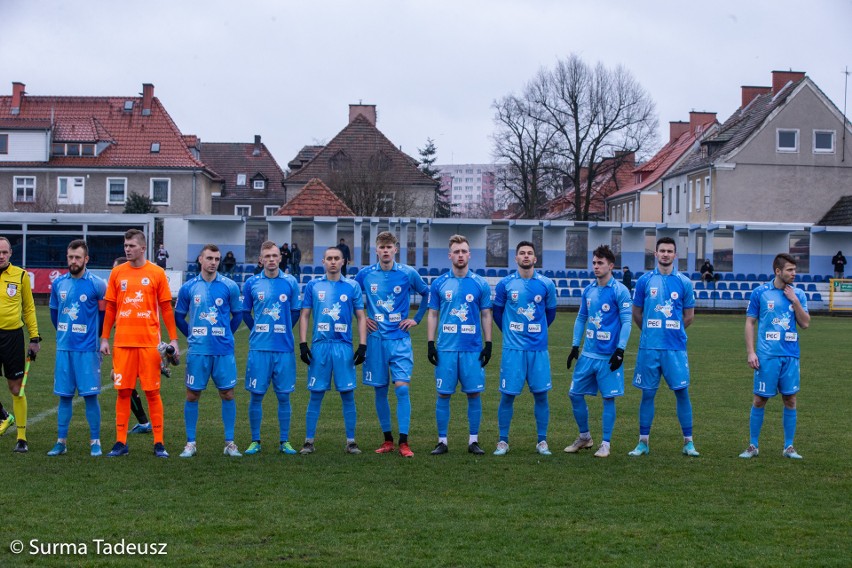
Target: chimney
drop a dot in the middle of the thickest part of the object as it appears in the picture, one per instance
(698, 120)
(17, 97)
(368, 111)
(256, 151)
(781, 78)
(750, 93)
(147, 98)
(676, 129)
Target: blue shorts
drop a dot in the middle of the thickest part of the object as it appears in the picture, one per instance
(777, 374)
(517, 367)
(592, 375)
(383, 355)
(276, 366)
(650, 363)
(199, 369)
(331, 358)
(456, 367)
(77, 370)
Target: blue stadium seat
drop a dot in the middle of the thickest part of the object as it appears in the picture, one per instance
(703, 295)
(811, 287)
(560, 274)
(423, 271)
(565, 293)
(491, 273)
(740, 277)
(819, 278)
(445, 270)
(576, 293)
(807, 278)
(571, 274)
(816, 297)
(737, 295)
(434, 272)
(480, 271)
(721, 285)
(714, 295)
(353, 271)
(192, 267)
(700, 285)
(764, 277)
(726, 295)
(574, 283)
(502, 273)
(561, 283)
(307, 269)
(584, 274)
(729, 277)
(189, 275)
(549, 273)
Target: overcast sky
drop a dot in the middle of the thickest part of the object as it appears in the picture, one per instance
(227, 69)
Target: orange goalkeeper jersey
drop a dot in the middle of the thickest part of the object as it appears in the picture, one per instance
(137, 293)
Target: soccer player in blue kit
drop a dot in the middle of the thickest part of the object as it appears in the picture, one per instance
(333, 299)
(524, 307)
(461, 301)
(273, 297)
(212, 302)
(663, 307)
(76, 311)
(604, 320)
(778, 308)
(387, 287)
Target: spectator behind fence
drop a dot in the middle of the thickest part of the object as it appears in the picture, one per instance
(228, 264)
(839, 261)
(627, 279)
(707, 273)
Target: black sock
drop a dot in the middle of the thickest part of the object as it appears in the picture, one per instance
(403, 438)
(388, 437)
(136, 407)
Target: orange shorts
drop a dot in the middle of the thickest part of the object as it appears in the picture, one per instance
(132, 362)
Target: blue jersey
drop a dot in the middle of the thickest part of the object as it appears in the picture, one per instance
(333, 303)
(271, 301)
(524, 320)
(459, 302)
(776, 321)
(209, 306)
(387, 295)
(76, 302)
(604, 319)
(662, 299)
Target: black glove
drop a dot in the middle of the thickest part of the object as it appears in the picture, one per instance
(485, 354)
(616, 360)
(433, 354)
(575, 354)
(31, 354)
(360, 354)
(305, 353)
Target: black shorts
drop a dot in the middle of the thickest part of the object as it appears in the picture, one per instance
(12, 353)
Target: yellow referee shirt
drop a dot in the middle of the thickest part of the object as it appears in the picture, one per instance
(16, 301)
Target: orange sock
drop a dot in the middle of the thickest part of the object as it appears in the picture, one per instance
(122, 414)
(155, 409)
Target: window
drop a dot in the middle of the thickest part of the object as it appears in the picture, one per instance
(670, 200)
(707, 192)
(57, 149)
(576, 249)
(270, 210)
(689, 198)
(4, 143)
(723, 251)
(116, 190)
(241, 180)
(87, 149)
(698, 195)
(70, 190)
(72, 149)
(788, 140)
(800, 249)
(25, 188)
(155, 147)
(677, 199)
(128, 106)
(259, 184)
(242, 210)
(497, 246)
(823, 142)
(160, 191)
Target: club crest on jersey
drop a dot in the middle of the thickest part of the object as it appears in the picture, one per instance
(514, 295)
(83, 297)
(675, 296)
(321, 295)
(537, 298)
(653, 292)
(469, 297)
(460, 312)
(448, 295)
(605, 307)
(62, 295)
(196, 299)
(123, 285)
(218, 301)
(397, 289)
(374, 288)
(145, 281)
(343, 297)
(770, 304)
(283, 297)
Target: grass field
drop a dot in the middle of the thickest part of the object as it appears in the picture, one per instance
(333, 509)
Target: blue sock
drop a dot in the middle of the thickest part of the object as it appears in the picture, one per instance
(350, 415)
(383, 408)
(442, 415)
(93, 416)
(755, 423)
(63, 415)
(229, 418)
(403, 409)
(789, 426)
(684, 411)
(285, 411)
(190, 417)
(255, 413)
(312, 415)
(608, 418)
(541, 409)
(581, 411)
(646, 412)
(504, 415)
(474, 413)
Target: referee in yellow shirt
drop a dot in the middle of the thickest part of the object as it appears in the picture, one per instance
(16, 309)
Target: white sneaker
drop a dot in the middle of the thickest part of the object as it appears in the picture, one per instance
(751, 452)
(189, 450)
(231, 450)
(542, 448)
(502, 448)
(603, 451)
(580, 444)
(790, 452)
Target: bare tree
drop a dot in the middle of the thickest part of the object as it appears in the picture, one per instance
(597, 113)
(524, 145)
(367, 186)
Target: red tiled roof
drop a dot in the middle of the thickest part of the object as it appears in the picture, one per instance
(231, 158)
(612, 174)
(360, 141)
(103, 119)
(315, 199)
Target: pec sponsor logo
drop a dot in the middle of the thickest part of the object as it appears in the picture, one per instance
(341, 327)
(78, 328)
(261, 327)
(199, 331)
(125, 313)
(469, 329)
(654, 324)
(217, 331)
(773, 336)
(394, 318)
(379, 317)
(449, 328)
(62, 326)
(323, 326)
(278, 328)
(534, 328)
(516, 326)
(672, 324)
(602, 336)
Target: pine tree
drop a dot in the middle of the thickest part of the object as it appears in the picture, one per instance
(428, 155)
(137, 203)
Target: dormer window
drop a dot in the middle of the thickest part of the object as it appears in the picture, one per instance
(155, 147)
(259, 184)
(241, 180)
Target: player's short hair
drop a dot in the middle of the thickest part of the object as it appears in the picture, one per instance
(524, 244)
(665, 241)
(268, 245)
(459, 239)
(136, 234)
(8, 242)
(605, 253)
(79, 243)
(211, 247)
(386, 238)
(781, 260)
(334, 248)
(119, 260)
